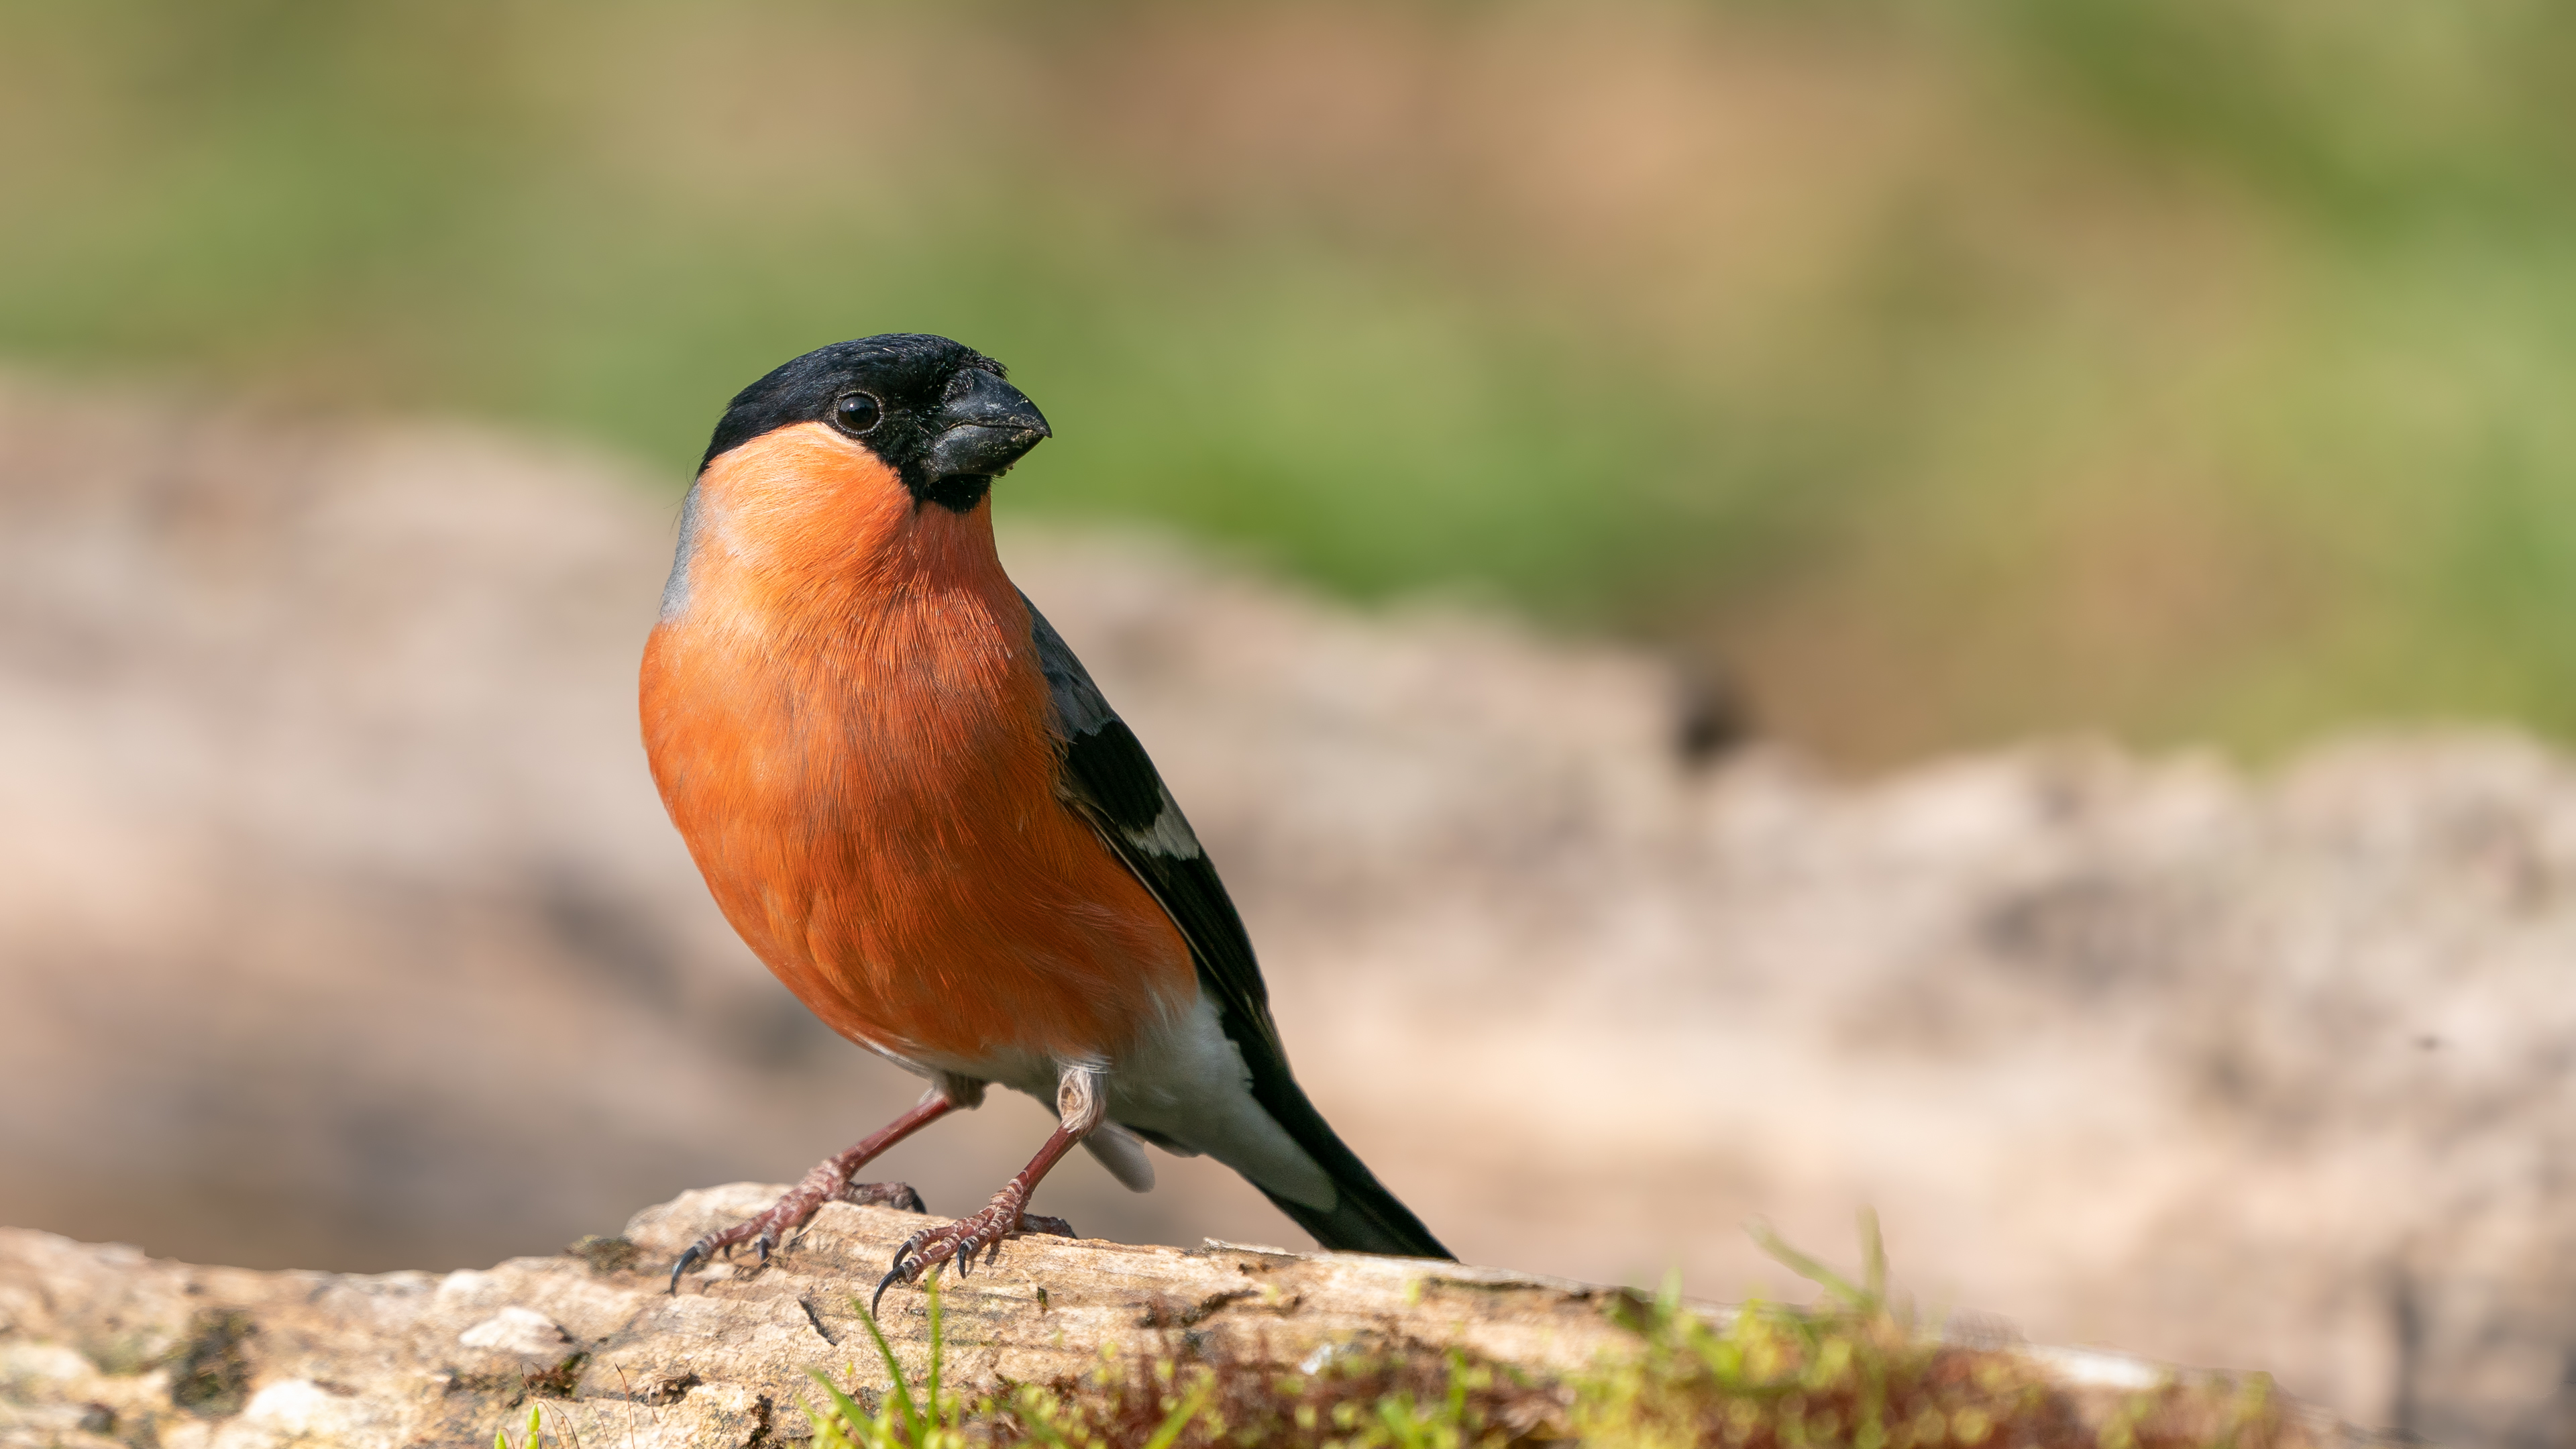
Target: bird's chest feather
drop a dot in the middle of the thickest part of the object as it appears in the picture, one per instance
(862, 768)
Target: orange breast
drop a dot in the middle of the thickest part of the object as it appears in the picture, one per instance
(844, 713)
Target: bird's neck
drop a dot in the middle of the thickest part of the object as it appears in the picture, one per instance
(800, 531)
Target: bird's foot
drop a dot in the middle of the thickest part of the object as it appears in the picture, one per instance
(828, 1182)
(961, 1240)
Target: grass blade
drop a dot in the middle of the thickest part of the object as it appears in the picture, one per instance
(938, 1351)
(1169, 1431)
(1809, 1268)
(863, 1426)
(899, 1394)
(1873, 1258)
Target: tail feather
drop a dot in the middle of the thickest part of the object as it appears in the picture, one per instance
(1364, 1217)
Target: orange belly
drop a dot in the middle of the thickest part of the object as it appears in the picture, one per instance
(867, 783)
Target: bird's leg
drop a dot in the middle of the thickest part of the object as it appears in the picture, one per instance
(1001, 1218)
(830, 1182)
(1079, 1108)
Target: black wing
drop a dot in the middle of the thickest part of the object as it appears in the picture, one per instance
(1109, 780)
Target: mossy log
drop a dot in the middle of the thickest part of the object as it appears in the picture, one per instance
(101, 1346)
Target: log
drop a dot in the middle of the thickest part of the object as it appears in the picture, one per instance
(101, 1346)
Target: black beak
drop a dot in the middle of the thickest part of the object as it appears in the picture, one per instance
(984, 427)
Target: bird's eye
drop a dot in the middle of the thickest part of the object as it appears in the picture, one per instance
(856, 413)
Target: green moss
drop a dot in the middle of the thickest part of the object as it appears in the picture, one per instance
(605, 1255)
(1851, 1370)
(210, 1369)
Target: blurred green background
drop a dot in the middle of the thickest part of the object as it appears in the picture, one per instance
(2197, 369)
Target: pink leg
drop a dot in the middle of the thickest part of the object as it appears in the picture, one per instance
(828, 1182)
(1000, 1219)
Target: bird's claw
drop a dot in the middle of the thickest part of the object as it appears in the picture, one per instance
(695, 1255)
(961, 1240)
(708, 1248)
(878, 1297)
(792, 1211)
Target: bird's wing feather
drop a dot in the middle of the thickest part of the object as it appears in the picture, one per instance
(1110, 781)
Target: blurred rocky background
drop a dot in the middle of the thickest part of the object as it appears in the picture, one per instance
(1585, 503)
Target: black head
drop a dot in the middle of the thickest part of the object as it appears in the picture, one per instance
(937, 413)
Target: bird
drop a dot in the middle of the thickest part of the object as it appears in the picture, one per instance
(912, 802)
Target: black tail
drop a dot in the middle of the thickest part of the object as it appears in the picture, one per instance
(1365, 1218)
